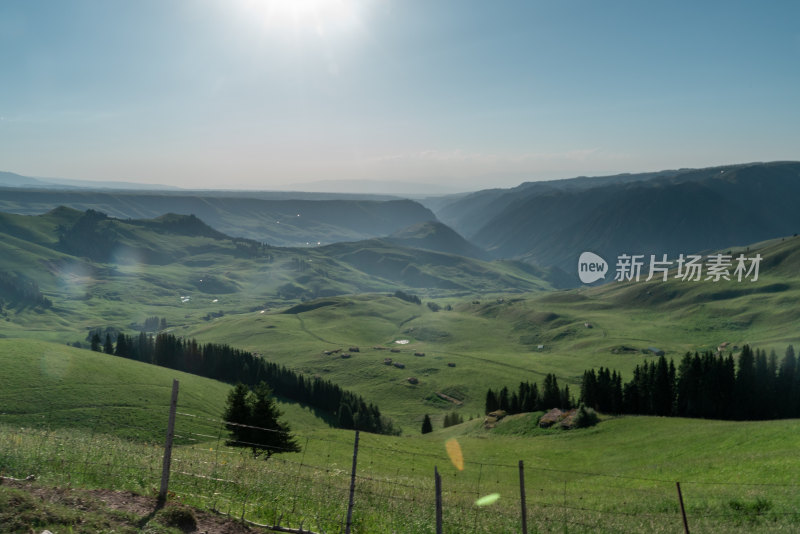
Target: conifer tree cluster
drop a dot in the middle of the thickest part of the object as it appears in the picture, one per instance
(452, 418)
(227, 364)
(528, 399)
(707, 385)
(19, 289)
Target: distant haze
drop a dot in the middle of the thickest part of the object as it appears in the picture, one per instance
(392, 96)
(381, 187)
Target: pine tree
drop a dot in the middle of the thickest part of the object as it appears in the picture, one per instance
(96, 342)
(589, 390)
(689, 386)
(786, 374)
(663, 386)
(272, 435)
(746, 385)
(346, 416)
(427, 426)
(492, 403)
(252, 418)
(122, 346)
(108, 347)
(505, 404)
(565, 400)
(551, 395)
(616, 397)
(237, 412)
(528, 396)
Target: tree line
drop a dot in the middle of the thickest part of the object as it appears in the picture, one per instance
(527, 397)
(341, 408)
(18, 288)
(709, 385)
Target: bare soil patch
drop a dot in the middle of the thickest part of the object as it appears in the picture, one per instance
(139, 510)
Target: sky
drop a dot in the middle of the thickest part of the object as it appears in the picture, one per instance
(439, 95)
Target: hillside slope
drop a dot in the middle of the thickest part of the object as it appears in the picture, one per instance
(72, 271)
(433, 235)
(54, 386)
(673, 212)
(503, 340)
(469, 213)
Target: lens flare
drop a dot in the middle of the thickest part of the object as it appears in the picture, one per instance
(487, 499)
(454, 452)
(75, 279)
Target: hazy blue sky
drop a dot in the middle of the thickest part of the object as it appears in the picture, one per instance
(467, 94)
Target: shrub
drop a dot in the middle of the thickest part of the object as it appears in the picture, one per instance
(585, 417)
(751, 510)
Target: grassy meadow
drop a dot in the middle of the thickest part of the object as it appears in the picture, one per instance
(499, 340)
(616, 477)
(84, 419)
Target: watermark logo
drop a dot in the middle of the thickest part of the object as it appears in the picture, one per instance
(591, 267)
(688, 268)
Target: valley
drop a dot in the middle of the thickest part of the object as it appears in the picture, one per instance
(415, 319)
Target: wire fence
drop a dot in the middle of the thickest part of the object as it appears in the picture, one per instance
(395, 488)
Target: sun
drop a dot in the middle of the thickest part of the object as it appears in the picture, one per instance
(320, 16)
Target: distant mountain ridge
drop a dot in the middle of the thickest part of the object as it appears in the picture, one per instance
(279, 222)
(10, 179)
(468, 213)
(547, 224)
(671, 212)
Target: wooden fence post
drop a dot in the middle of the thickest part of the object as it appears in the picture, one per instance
(352, 487)
(683, 510)
(438, 481)
(522, 498)
(173, 405)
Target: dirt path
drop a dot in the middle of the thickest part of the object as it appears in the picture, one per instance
(309, 332)
(102, 503)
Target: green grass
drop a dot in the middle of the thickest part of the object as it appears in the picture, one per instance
(492, 343)
(494, 340)
(620, 475)
(103, 425)
(54, 386)
(88, 419)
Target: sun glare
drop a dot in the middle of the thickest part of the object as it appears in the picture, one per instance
(321, 16)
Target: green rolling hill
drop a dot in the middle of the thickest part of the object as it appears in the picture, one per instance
(96, 271)
(105, 418)
(507, 338)
(52, 386)
(479, 324)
